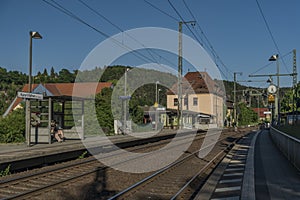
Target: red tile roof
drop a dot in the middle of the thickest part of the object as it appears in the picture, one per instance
(197, 82)
(83, 90)
(66, 89)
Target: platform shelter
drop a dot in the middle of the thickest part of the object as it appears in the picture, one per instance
(59, 103)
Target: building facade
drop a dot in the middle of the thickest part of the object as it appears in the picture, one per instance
(202, 100)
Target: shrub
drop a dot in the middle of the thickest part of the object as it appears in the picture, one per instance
(13, 127)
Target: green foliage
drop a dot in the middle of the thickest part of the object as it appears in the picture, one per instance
(104, 111)
(113, 73)
(9, 77)
(144, 95)
(82, 155)
(246, 116)
(10, 82)
(5, 172)
(13, 127)
(136, 112)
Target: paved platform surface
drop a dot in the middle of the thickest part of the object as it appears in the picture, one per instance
(275, 177)
(16, 152)
(268, 174)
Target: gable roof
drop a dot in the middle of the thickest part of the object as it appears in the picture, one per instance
(83, 90)
(198, 83)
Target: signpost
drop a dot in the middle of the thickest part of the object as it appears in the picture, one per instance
(124, 99)
(27, 95)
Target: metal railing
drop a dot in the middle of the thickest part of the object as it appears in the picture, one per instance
(288, 145)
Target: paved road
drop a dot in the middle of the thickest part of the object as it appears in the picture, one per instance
(275, 177)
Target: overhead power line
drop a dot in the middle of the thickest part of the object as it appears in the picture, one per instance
(160, 10)
(150, 52)
(64, 10)
(213, 51)
(265, 66)
(271, 34)
(179, 15)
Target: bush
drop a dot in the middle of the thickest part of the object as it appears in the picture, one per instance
(13, 127)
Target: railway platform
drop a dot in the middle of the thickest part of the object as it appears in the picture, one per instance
(20, 156)
(254, 169)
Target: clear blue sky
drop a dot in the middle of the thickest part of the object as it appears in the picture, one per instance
(235, 29)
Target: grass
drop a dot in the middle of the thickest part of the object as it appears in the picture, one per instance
(292, 130)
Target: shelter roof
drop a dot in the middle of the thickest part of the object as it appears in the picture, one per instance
(62, 91)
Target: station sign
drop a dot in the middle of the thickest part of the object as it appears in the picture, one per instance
(271, 98)
(27, 95)
(124, 97)
(267, 112)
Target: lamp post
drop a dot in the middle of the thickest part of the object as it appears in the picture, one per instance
(32, 35)
(125, 109)
(277, 98)
(159, 90)
(156, 95)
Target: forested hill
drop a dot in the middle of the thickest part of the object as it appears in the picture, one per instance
(10, 82)
(13, 81)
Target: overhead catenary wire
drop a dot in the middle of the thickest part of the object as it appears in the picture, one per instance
(271, 34)
(150, 52)
(160, 10)
(265, 66)
(213, 51)
(179, 15)
(64, 10)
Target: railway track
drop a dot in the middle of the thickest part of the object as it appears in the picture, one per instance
(41, 182)
(179, 180)
(27, 184)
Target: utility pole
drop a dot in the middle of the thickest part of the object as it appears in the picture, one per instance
(278, 102)
(294, 83)
(179, 108)
(234, 97)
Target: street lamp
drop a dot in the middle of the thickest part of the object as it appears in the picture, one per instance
(275, 57)
(32, 35)
(125, 109)
(156, 95)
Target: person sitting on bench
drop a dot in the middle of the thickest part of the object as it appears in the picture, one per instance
(57, 131)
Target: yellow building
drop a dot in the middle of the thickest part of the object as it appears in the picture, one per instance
(202, 101)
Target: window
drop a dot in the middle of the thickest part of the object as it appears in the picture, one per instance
(195, 101)
(175, 102)
(185, 101)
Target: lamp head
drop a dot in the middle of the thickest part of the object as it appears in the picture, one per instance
(35, 35)
(274, 57)
(269, 80)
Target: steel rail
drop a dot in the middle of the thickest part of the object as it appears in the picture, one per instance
(164, 169)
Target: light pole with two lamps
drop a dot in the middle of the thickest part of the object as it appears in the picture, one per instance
(277, 98)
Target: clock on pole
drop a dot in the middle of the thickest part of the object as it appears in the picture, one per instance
(272, 89)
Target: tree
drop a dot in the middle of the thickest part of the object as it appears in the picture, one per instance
(136, 113)
(53, 75)
(13, 127)
(246, 115)
(65, 76)
(103, 110)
